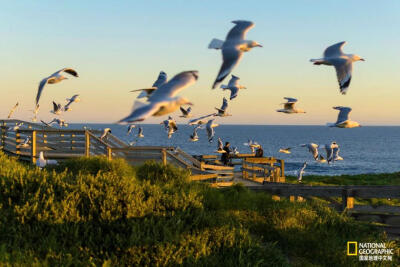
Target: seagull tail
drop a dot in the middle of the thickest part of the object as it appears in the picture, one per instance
(216, 44)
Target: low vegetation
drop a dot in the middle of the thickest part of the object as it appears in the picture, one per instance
(92, 212)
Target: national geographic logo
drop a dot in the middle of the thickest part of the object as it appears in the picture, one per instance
(352, 248)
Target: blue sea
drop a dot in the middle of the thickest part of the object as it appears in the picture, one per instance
(368, 149)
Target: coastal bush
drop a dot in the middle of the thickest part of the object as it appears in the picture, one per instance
(100, 215)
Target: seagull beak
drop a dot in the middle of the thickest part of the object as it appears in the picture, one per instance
(259, 45)
(362, 59)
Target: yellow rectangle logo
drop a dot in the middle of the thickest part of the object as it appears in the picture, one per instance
(351, 248)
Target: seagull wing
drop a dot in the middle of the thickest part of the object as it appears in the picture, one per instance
(69, 71)
(141, 113)
(234, 81)
(55, 106)
(334, 50)
(184, 111)
(343, 71)
(194, 121)
(40, 89)
(173, 86)
(290, 99)
(234, 92)
(224, 104)
(161, 79)
(343, 114)
(238, 32)
(231, 57)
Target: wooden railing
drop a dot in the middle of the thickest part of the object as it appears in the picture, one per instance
(263, 170)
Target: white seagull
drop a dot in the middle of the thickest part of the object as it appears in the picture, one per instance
(106, 131)
(146, 92)
(233, 86)
(26, 142)
(285, 150)
(35, 112)
(222, 111)
(313, 149)
(73, 99)
(343, 120)
(170, 126)
(201, 120)
(210, 129)
(130, 128)
(233, 48)
(301, 172)
(252, 144)
(343, 63)
(220, 147)
(140, 133)
(56, 109)
(54, 78)
(16, 127)
(336, 153)
(289, 106)
(41, 162)
(164, 99)
(12, 110)
(60, 122)
(194, 136)
(186, 113)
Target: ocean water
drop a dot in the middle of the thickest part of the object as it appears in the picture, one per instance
(367, 149)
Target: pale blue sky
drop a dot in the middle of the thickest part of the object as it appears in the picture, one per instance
(117, 46)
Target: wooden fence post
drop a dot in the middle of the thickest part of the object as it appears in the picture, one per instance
(17, 142)
(164, 156)
(109, 153)
(87, 144)
(347, 199)
(3, 135)
(33, 147)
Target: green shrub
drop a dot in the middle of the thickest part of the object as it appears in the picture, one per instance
(158, 173)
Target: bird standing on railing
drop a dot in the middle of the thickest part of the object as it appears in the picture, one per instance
(41, 162)
(16, 127)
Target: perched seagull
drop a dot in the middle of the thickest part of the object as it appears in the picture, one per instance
(220, 146)
(41, 162)
(54, 78)
(16, 127)
(12, 110)
(313, 149)
(56, 109)
(74, 98)
(301, 172)
(194, 136)
(130, 128)
(146, 92)
(289, 106)
(222, 111)
(210, 129)
(233, 48)
(233, 86)
(343, 120)
(164, 99)
(285, 150)
(140, 133)
(201, 120)
(186, 113)
(343, 63)
(106, 131)
(60, 122)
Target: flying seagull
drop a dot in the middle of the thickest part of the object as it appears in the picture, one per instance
(301, 172)
(289, 106)
(252, 144)
(343, 63)
(313, 149)
(343, 120)
(285, 150)
(54, 78)
(233, 86)
(12, 110)
(140, 133)
(26, 142)
(201, 120)
(222, 111)
(56, 109)
(233, 48)
(220, 147)
(60, 122)
(130, 128)
(106, 131)
(164, 99)
(170, 126)
(210, 129)
(186, 113)
(194, 136)
(146, 92)
(73, 99)
(336, 153)
(35, 112)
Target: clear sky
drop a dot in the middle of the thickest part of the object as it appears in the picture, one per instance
(117, 46)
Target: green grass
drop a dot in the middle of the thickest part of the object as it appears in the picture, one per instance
(92, 212)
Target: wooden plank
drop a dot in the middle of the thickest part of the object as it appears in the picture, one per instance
(202, 177)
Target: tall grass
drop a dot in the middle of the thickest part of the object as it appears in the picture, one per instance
(96, 212)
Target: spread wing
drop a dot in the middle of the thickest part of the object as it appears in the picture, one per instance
(224, 104)
(343, 71)
(40, 89)
(238, 32)
(343, 114)
(231, 57)
(234, 81)
(334, 50)
(67, 70)
(173, 86)
(161, 79)
(184, 111)
(141, 113)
